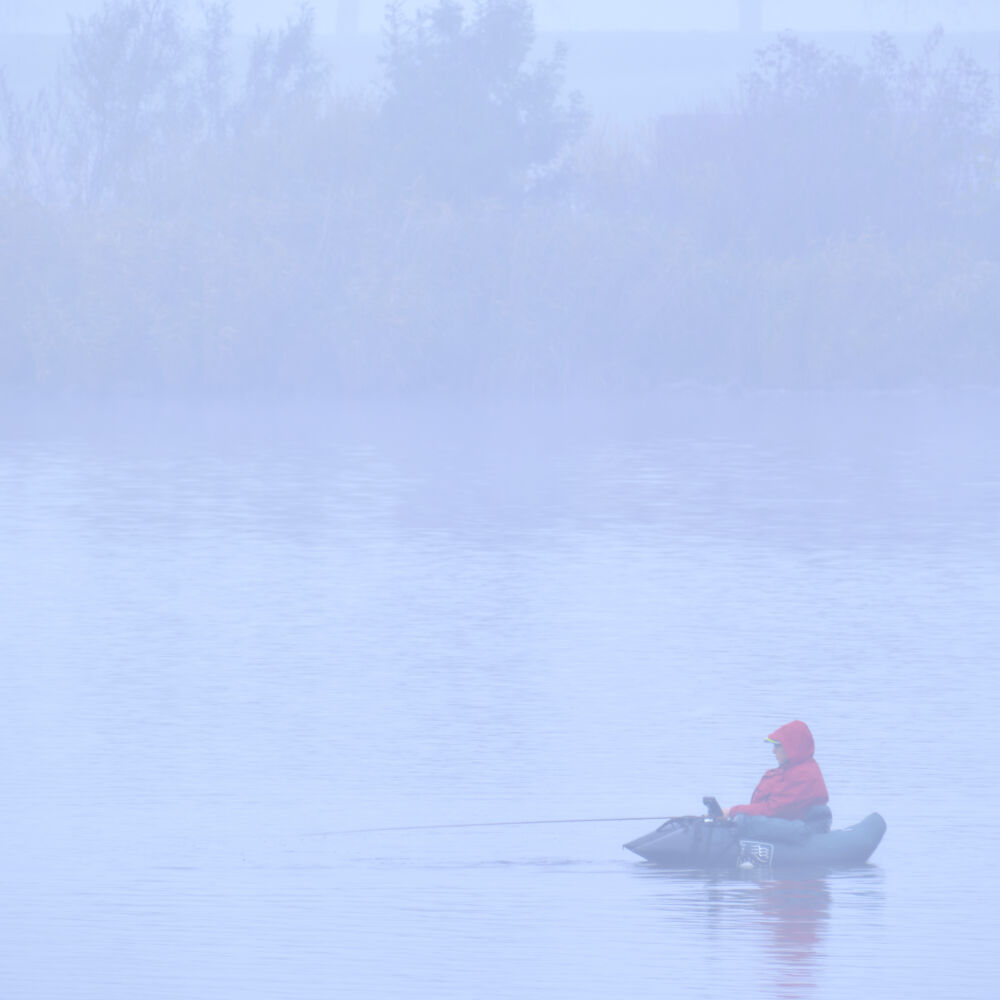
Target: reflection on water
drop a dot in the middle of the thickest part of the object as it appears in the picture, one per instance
(795, 912)
(783, 917)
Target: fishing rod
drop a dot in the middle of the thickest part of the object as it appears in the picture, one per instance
(714, 812)
(465, 826)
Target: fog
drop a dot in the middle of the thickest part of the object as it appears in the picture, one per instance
(476, 413)
(598, 15)
(445, 207)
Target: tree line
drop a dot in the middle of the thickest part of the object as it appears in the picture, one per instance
(181, 214)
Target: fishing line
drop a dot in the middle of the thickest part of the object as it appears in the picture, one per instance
(466, 826)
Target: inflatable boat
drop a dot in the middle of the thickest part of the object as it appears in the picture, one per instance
(714, 842)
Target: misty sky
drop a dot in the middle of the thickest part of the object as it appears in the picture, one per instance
(563, 15)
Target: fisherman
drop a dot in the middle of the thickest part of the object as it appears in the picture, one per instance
(794, 790)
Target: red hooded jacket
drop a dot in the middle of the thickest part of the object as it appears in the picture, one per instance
(790, 790)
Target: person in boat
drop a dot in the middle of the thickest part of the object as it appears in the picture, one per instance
(795, 789)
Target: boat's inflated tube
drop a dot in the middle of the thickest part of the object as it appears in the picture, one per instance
(755, 842)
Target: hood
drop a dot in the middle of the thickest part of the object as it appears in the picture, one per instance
(796, 739)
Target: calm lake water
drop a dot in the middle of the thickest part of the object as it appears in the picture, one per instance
(231, 637)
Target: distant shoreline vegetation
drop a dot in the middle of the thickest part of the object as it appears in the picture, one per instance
(168, 226)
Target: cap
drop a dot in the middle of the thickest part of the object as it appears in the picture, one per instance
(775, 742)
